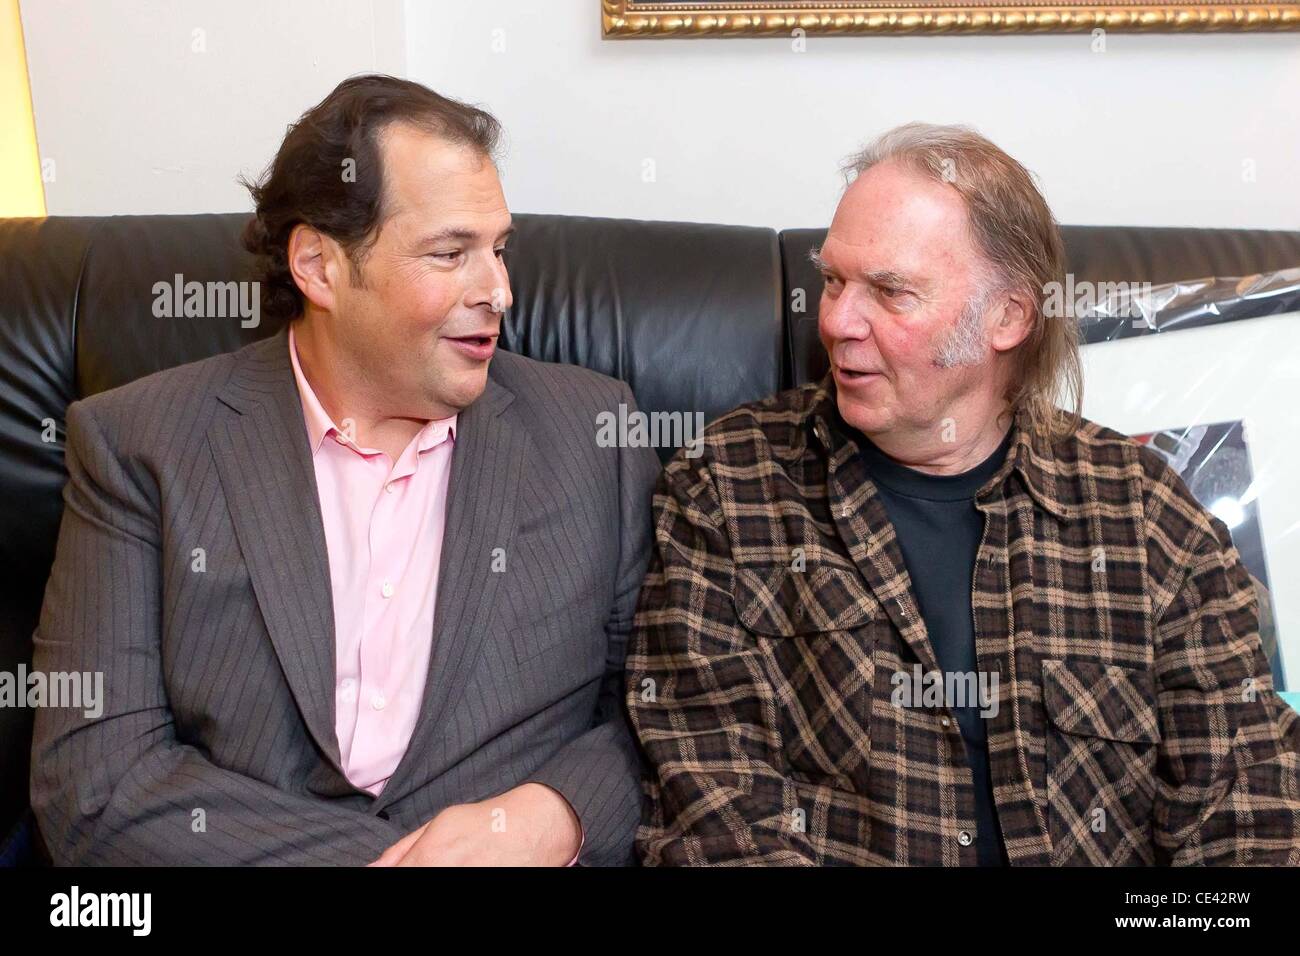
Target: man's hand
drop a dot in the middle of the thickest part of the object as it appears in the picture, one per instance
(531, 825)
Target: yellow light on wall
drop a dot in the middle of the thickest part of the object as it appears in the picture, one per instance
(21, 191)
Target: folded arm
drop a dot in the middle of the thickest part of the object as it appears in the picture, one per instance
(1228, 770)
(702, 706)
(599, 773)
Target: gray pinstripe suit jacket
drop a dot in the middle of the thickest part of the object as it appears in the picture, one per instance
(217, 743)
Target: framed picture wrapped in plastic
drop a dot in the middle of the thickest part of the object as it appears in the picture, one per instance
(1220, 400)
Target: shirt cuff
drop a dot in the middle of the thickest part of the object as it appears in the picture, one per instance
(582, 839)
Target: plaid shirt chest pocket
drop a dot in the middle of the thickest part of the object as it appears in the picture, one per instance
(816, 631)
(1102, 737)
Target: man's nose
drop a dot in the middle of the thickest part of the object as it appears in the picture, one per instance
(491, 286)
(844, 317)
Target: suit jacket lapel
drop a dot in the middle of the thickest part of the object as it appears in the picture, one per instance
(482, 498)
(264, 461)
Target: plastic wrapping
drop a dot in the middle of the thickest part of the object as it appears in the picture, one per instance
(1119, 310)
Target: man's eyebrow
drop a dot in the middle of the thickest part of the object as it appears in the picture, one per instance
(442, 235)
(879, 277)
(887, 278)
(465, 235)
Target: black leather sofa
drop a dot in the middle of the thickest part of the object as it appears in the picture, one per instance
(694, 317)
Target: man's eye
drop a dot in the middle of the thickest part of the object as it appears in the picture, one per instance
(829, 279)
(501, 252)
(447, 256)
(890, 293)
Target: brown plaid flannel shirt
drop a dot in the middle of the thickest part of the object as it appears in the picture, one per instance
(1137, 722)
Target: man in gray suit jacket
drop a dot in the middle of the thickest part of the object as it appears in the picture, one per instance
(402, 645)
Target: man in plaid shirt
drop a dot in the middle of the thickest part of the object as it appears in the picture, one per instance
(915, 614)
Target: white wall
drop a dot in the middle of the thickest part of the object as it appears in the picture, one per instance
(1154, 131)
(137, 120)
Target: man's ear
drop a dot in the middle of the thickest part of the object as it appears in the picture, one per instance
(1012, 320)
(314, 263)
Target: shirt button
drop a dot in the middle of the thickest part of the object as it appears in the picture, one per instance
(964, 838)
(844, 511)
(379, 701)
(389, 488)
(947, 722)
(387, 589)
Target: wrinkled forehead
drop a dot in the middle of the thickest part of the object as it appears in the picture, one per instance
(894, 213)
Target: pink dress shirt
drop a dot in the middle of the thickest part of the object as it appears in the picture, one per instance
(384, 526)
(384, 523)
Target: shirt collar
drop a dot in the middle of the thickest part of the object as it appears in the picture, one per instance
(1030, 454)
(320, 425)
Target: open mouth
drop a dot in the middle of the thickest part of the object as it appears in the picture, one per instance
(475, 346)
(852, 376)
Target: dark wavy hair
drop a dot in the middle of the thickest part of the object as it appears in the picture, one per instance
(309, 180)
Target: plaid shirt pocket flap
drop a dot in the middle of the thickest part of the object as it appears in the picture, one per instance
(778, 601)
(1095, 699)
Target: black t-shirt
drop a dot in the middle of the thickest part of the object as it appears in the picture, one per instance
(939, 532)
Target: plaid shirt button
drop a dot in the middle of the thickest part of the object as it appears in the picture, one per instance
(964, 838)
(945, 721)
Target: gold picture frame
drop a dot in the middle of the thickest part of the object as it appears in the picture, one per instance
(631, 19)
